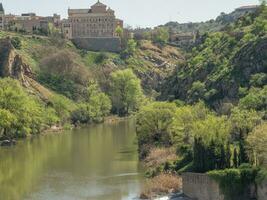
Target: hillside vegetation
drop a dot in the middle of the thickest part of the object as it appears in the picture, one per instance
(77, 86)
(226, 67)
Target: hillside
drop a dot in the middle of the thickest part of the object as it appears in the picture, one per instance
(225, 67)
(211, 25)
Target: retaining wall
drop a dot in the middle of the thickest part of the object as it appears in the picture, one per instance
(112, 44)
(201, 187)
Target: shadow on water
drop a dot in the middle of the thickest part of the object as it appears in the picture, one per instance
(99, 162)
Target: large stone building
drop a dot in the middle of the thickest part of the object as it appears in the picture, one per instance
(97, 21)
(2, 14)
(93, 28)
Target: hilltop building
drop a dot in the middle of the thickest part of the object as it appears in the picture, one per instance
(93, 28)
(30, 22)
(27, 22)
(2, 14)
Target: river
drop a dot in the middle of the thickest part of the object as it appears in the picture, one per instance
(99, 162)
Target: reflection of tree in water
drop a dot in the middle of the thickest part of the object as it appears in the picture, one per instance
(90, 163)
(22, 166)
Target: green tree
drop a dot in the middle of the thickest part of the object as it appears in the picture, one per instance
(256, 145)
(153, 125)
(119, 31)
(7, 120)
(21, 114)
(126, 91)
(131, 46)
(182, 126)
(243, 121)
(197, 91)
(16, 42)
(160, 35)
(94, 108)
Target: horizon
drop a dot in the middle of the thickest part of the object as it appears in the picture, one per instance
(181, 12)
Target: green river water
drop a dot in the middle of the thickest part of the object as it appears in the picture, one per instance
(99, 162)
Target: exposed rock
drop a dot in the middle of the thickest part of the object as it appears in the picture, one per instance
(12, 65)
(8, 143)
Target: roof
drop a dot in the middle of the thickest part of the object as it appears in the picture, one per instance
(1, 7)
(99, 4)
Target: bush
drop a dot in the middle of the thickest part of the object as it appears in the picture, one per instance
(162, 184)
(160, 35)
(16, 42)
(20, 114)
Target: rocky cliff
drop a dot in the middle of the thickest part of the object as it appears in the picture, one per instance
(12, 65)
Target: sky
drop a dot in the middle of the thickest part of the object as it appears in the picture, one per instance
(136, 13)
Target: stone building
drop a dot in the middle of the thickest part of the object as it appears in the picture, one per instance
(97, 21)
(93, 28)
(30, 22)
(27, 22)
(2, 14)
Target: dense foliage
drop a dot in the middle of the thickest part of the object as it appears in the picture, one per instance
(94, 108)
(21, 114)
(64, 74)
(126, 92)
(225, 66)
(235, 183)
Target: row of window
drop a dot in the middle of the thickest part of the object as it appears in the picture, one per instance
(92, 20)
(93, 25)
(91, 31)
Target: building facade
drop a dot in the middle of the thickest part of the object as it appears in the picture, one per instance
(95, 22)
(30, 22)
(27, 22)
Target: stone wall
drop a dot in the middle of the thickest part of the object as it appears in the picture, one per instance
(98, 44)
(262, 191)
(201, 187)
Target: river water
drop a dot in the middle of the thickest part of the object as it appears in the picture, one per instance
(99, 162)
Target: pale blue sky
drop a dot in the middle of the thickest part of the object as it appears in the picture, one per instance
(135, 12)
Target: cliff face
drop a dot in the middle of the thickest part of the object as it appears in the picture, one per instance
(12, 65)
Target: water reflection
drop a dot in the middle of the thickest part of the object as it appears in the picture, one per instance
(99, 163)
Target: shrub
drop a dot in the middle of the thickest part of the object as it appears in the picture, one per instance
(16, 42)
(162, 184)
(20, 114)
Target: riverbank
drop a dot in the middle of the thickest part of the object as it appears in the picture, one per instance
(161, 181)
(57, 129)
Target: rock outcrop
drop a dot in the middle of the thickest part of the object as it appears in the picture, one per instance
(12, 65)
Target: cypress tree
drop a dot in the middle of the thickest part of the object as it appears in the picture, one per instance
(228, 155)
(235, 159)
(223, 160)
(243, 157)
